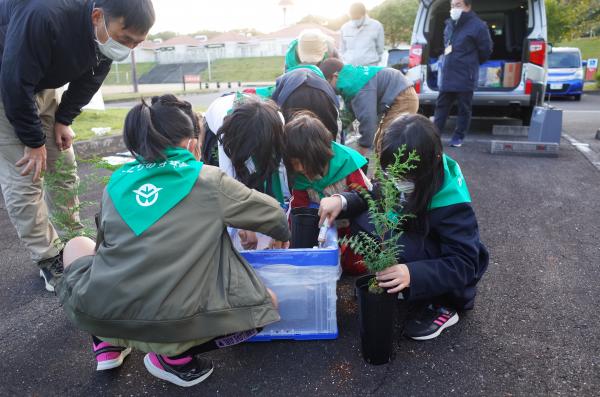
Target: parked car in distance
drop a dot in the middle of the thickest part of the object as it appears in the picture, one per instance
(565, 73)
(398, 58)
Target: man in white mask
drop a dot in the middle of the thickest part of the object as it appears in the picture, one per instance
(362, 38)
(467, 44)
(46, 44)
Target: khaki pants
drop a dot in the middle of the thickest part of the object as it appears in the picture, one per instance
(407, 102)
(27, 202)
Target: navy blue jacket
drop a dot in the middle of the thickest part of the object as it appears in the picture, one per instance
(471, 46)
(446, 259)
(46, 44)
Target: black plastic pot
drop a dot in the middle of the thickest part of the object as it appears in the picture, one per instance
(377, 313)
(305, 227)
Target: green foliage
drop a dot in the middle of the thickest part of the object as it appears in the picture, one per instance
(590, 48)
(65, 202)
(398, 18)
(381, 250)
(598, 80)
(571, 18)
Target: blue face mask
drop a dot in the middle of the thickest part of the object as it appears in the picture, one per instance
(112, 49)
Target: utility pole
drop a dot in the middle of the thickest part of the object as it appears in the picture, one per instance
(134, 72)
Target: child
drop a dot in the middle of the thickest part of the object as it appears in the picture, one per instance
(442, 257)
(162, 276)
(250, 146)
(322, 168)
(372, 93)
(310, 48)
(303, 89)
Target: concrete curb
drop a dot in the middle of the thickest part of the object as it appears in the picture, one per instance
(99, 146)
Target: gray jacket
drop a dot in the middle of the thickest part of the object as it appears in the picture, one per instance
(374, 99)
(181, 279)
(362, 45)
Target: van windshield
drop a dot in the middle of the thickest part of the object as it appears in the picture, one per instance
(564, 60)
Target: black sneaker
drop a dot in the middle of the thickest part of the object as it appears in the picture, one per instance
(51, 270)
(430, 323)
(187, 371)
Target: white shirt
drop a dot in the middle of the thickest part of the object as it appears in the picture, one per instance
(362, 45)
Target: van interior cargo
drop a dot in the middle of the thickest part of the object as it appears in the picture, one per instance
(509, 23)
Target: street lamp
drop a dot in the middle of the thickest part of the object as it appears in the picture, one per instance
(285, 4)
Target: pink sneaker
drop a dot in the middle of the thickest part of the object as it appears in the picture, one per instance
(109, 356)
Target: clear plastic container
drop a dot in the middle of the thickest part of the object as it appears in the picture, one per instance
(304, 281)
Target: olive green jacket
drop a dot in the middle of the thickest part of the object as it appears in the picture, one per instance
(181, 279)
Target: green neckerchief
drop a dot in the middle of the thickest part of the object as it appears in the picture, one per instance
(344, 162)
(291, 59)
(265, 92)
(143, 192)
(454, 190)
(352, 79)
(312, 68)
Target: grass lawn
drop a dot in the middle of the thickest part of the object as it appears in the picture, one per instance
(113, 118)
(245, 69)
(129, 96)
(590, 48)
(89, 119)
(121, 73)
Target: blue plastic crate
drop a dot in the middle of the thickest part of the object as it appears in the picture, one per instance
(304, 281)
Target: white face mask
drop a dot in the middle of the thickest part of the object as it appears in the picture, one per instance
(358, 22)
(112, 48)
(455, 13)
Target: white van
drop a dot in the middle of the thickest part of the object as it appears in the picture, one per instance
(513, 81)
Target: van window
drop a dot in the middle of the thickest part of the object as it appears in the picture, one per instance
(564, 60)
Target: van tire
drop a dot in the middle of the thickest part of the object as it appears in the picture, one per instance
(577, 97)
(526, 114)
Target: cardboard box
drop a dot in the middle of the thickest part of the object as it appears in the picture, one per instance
(512, 74)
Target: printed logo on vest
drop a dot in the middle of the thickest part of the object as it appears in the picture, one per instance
(147, 195)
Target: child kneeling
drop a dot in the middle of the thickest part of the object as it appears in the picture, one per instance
(442, 256)
(163, 276)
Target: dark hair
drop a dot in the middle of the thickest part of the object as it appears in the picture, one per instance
(253, 130)
(330, 66)
(150, 129)
(316, 101)
(358, 8)
(137, 15)
(307, 140)
(418, 133)
(467, 2)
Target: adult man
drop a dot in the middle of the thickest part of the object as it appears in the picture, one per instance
(362, 38)
(44, 45)
(467, 45)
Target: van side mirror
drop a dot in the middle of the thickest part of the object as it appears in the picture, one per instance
(584, 64)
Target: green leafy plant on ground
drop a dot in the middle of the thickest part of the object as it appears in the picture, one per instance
(381, 250)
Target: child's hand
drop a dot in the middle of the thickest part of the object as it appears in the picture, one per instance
(248, 239)
(279, 245)
(395, 277)
(330, 208)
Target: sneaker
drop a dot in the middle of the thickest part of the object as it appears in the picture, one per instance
(109, 356)
(187, 371)
(456, 142)
(51, 270)
(430, 323)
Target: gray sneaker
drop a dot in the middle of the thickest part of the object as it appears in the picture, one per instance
(51, 270)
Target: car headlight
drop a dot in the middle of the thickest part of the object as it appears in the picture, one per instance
(579, 75)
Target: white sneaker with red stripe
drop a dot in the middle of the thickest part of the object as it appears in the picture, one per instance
(430, 323)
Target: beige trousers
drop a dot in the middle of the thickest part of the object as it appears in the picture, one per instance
(27, 202)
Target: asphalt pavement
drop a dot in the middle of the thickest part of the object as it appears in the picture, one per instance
(534, 329)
